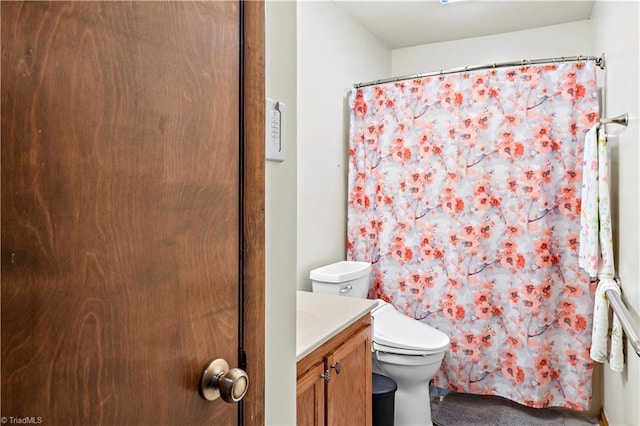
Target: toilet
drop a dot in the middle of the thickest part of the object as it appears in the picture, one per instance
(405, 349)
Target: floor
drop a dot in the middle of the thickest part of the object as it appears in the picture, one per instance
(562, 416)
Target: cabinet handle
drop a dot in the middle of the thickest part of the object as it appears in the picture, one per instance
(337, 366)
(326, 376)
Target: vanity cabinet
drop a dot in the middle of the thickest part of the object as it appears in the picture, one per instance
(310, 397)
(334, 381)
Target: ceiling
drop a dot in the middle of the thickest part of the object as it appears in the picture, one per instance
(408, 23)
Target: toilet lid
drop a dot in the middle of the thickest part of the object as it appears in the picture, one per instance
(394, 330)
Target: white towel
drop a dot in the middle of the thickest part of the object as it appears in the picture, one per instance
(616, 355)
(599, 351)
(589, 250)
(606, 268)
(596, 248)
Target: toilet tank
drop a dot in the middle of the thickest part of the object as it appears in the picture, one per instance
(345, 278)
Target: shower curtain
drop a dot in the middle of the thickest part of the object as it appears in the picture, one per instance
(464, 194)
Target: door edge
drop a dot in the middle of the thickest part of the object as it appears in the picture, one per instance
(252, 53)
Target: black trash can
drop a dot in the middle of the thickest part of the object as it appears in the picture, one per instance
(384, 398)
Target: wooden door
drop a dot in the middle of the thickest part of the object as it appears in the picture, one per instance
(348, 399)
(132, 200)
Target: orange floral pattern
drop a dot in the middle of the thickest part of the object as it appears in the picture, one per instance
(464, 195)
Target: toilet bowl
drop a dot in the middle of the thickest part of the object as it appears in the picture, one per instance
(405, 349)
(410, 352)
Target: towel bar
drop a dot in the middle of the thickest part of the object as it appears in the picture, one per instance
(622, 119)
(623, 315)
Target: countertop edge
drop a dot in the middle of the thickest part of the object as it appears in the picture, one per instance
(353, 315)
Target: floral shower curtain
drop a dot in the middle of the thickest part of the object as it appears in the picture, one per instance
(464, 193)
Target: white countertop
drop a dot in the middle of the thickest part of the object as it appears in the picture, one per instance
(319, 317)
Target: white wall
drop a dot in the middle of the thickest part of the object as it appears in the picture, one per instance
(615, 32)
(280, 346)
(333, 53)
(557, 40)
(324, 71)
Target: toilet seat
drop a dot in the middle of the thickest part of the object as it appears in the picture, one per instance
(377, 347)
(396, 333)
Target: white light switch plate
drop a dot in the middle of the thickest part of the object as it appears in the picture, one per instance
(273, 134)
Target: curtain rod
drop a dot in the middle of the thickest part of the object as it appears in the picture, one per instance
(525, 62)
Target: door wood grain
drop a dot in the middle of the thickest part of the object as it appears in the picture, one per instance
(120, 210)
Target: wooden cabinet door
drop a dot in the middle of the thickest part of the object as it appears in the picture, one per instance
(310, 397)
(122, 234)
(348, 400)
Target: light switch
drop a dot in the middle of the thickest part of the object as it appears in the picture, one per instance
(273, 133)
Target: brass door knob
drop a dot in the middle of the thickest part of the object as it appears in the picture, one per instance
(218, 380)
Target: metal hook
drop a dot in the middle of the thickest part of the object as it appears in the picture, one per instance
(600, 61)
